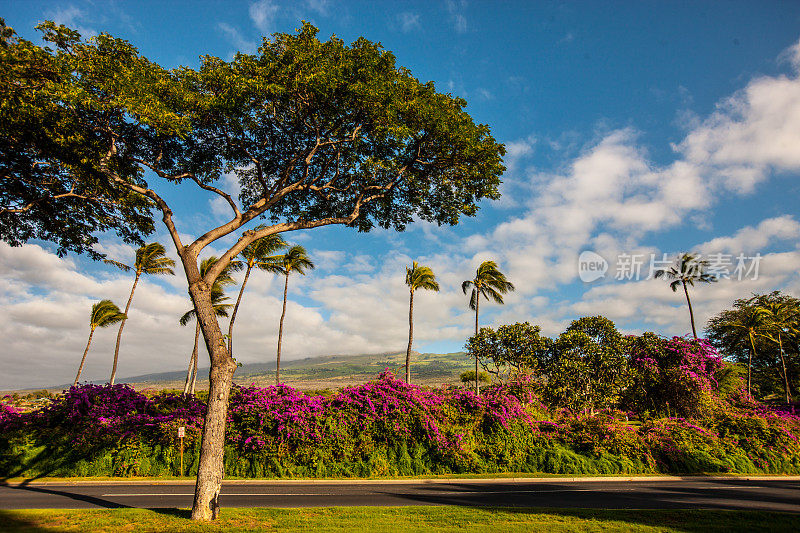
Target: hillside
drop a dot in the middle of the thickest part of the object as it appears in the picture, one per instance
(325, 372)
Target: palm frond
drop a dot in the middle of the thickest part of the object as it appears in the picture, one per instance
(187, 316)
(121, 266)
(296, 260)
(473, 299)
(152, 259)
(421, 277)
(105, 313)
(466, 285)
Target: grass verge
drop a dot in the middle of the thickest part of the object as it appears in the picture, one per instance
(378, 519)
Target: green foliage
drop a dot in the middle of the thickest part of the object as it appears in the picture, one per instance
(513, 350)
(469, 377)
(589, 369)
(51, 186)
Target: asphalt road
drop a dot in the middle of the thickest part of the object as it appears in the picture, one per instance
(771, 495)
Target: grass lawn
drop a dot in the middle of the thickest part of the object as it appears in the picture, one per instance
(400, 519)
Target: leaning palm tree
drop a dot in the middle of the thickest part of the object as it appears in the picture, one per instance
(150, 259)
(294, 260)
(256, 255)
(219, 306)
(489, 282)
(782, 323)
(686, 271)
(104, 314)
(417, 277)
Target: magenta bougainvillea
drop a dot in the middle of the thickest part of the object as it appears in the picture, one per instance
(380, 426)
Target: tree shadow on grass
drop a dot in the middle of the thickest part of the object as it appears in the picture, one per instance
(12, 522)
(172, 511)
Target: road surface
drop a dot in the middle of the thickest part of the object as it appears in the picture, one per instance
(703, 493)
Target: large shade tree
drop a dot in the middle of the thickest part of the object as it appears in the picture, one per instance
(294, 260)
(317, 133)
(104, 313)
(417, 277)
(488, 283)
(687, 270)
(150, 259)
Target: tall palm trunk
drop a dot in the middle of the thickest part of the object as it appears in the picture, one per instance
(477, 305)
(691, 313)
(750, 362)
(785, 375)
(192, 360)
(83, 359)
(122, 325)
(280, 332)
(193, 386)
(410, 335)
(236, 308)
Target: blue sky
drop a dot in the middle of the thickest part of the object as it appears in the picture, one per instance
(631, 128)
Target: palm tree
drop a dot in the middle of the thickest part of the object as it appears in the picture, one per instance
(104, 314)
(294, 260)
(740, 327)
(417, 277)
(150, 259)
(782, 323)
(489, 282)
(256, 254)
(219, 306)
(686, 271)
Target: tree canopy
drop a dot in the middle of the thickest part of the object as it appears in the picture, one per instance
(317, 133)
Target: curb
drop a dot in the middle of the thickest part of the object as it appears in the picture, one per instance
(409, 481)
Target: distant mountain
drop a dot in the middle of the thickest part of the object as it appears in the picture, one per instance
(329, 371)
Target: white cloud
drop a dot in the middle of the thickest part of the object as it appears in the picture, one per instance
(409, 21)
(455, 9)
(751, 240)
(236, 38)
(263, 14)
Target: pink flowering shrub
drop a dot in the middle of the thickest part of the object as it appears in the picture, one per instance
(672, 376)
(387, 427)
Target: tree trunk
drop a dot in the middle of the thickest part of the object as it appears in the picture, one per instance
(785, 375)
(212, 447)
(192, 359)
(410, 335)
(193, 385)
(750, 363)
(236, 308)
(122, 325)
(691, 313)
(83, 359)
(477, 305)
(280, 333)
